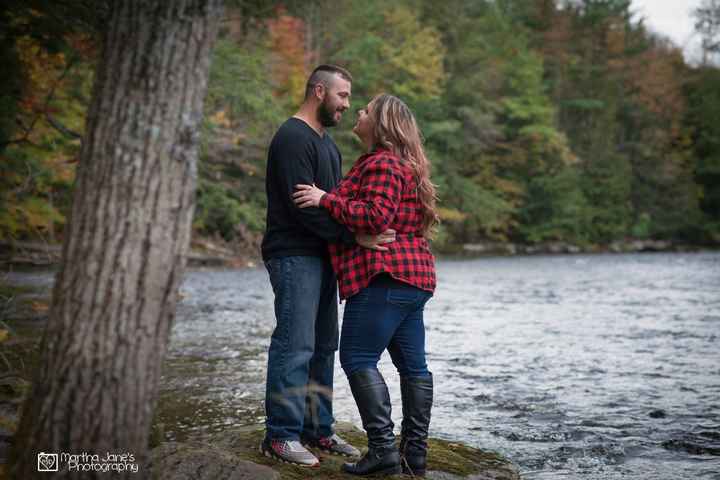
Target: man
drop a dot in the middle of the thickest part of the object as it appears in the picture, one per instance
(298, 396)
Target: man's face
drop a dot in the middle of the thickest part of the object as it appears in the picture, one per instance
(335, 101)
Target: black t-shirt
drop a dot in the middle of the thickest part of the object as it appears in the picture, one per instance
(298, 155)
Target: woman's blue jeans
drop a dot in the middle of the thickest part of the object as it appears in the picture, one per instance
(301, 358)
(380, 318)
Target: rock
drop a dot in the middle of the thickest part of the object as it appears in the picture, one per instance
(195, 259)
(616, 247)
(657, 414)
(32, 254)
(233, 454)
(555, 247)
(490, 248)
(531, 249)
(573, 249)
(196, 461)
(657, 246)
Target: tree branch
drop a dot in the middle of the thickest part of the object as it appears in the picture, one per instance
(44, 112)
(61, 128)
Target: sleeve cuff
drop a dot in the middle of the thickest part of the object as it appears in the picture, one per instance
(326, 201)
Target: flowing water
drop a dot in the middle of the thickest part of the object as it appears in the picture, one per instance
(575, 367)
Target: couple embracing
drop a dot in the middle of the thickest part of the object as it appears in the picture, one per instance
(364, 234)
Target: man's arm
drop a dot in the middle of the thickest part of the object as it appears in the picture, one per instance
(295, 166)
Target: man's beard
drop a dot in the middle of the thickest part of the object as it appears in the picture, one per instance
(326, 115)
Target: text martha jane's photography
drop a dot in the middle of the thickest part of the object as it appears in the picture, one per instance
(87, 462)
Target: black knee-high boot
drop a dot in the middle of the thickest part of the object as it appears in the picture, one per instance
(417, 399)
(373, 401)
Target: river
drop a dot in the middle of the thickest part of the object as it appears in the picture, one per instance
(575, 367)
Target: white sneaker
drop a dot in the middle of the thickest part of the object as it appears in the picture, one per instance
(289, 451)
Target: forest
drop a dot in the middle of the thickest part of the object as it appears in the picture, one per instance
(545, 120)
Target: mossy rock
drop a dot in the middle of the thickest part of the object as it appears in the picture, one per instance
(234, 454)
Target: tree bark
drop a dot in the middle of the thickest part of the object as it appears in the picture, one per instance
(125, 249)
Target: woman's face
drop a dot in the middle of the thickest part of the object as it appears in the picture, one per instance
(364, 126)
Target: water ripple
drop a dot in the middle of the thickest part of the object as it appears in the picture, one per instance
(598, 367)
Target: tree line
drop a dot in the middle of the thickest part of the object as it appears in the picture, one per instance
(545, 120)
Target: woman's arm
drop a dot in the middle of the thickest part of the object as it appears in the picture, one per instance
(376, 204)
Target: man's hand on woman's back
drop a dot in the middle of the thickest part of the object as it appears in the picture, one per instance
(375, 242)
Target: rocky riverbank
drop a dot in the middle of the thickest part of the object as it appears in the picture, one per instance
(624, 246)
(213, 253)
(203, 253)
(233, 454)
(23, 314)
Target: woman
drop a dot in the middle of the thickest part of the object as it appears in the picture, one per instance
(386, 291)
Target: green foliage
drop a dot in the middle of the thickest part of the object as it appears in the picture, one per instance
(33, 190)
(238, 83)
(606, 183)
(642, 227)
(556, 209)
(219, 212)
(388, 48)
(704, 119)
(474, 211)
(543, 123)
(241, 115)
(48, 49)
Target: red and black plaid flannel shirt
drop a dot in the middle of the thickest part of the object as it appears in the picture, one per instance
(378, 193)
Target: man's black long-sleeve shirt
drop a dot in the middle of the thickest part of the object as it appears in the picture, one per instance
(298, 155)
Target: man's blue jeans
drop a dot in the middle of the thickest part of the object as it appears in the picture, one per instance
(379, 318)
(298, 393)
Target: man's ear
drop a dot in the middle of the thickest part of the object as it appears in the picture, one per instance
(320, 91)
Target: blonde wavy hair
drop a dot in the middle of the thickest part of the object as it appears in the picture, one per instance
(395, 129)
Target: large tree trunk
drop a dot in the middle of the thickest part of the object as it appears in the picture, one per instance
(124, 251)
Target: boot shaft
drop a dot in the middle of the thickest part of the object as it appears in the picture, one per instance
(417, 399)
(373, 400)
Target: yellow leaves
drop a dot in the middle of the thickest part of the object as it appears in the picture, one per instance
(37, 171)
(61, 167)
(35, 212)
(396, 51)
(32, 214)
(9, 224)
(41, 69)
(616, 37)
(451, 215)
(510, 188)
(3, 335)
(51, 87)
(415, 52)
(221, 119)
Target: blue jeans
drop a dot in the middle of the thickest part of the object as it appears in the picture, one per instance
(379, 318)
(298, 393)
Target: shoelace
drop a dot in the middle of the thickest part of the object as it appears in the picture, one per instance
(296, 446)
